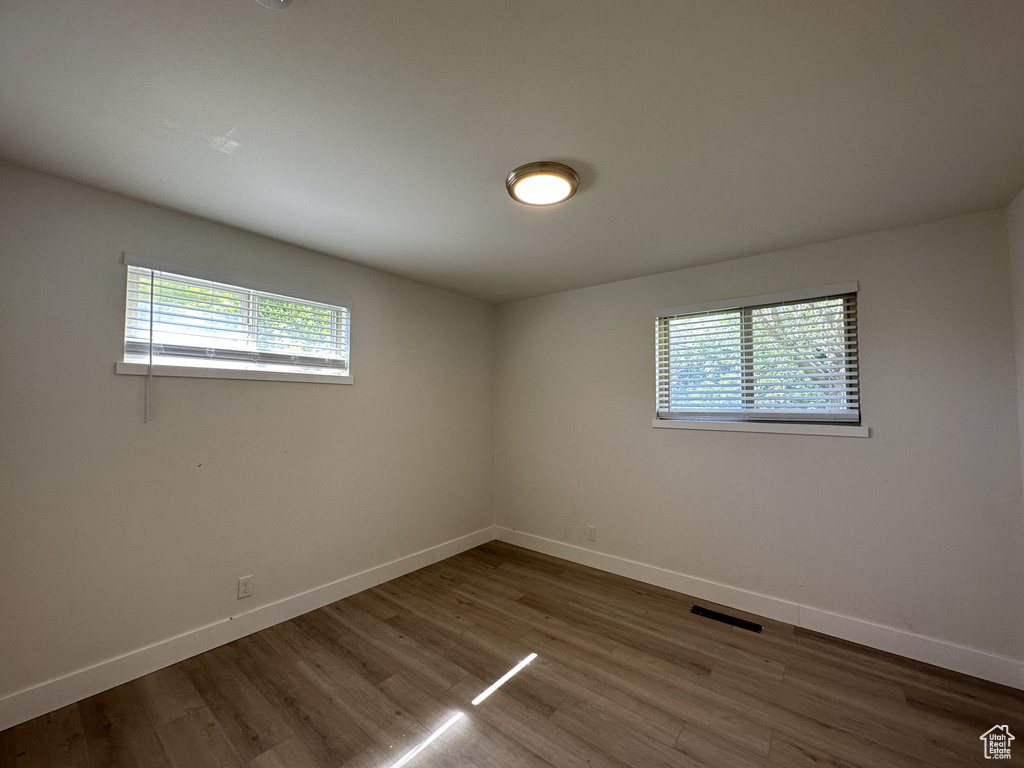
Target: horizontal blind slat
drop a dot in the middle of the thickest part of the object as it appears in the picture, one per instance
(795, 360)
(196, 320)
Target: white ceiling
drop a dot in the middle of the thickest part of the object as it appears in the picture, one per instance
(381, 131)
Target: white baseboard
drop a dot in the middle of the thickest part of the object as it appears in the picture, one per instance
(45, 697)
(970, 661)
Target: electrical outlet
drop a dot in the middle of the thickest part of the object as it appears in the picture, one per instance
(591, 533)
(245, 587)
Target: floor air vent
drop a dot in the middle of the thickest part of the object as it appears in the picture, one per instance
(726, 619)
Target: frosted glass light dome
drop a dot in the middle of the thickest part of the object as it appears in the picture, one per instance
(542, 183)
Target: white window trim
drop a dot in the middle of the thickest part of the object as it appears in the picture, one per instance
(782, 428)
(779, 428)
(198, 372)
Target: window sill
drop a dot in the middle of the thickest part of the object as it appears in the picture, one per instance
(186, 371)
(835, 430)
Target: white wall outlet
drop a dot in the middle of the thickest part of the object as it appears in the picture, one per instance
(591, 533)
(245, 587)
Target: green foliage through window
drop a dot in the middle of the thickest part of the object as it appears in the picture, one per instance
(794, 361)
(184, 320)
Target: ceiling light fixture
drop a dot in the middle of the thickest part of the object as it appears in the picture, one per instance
(275, 4)
(542, 183)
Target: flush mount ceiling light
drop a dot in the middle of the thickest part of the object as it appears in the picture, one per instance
(542, 183)
(275, 4)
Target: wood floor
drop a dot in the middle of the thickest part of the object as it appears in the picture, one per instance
(624, 676)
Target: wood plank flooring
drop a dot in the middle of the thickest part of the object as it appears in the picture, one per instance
(625, 676)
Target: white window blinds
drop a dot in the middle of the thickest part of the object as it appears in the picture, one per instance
(794, 360)
(180, 320)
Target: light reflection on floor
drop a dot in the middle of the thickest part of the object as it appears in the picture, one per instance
(459, 715)
(426, 742)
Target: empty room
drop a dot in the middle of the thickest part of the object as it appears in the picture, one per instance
(541, 385)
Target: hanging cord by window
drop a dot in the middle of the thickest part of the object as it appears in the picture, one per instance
(149, 373)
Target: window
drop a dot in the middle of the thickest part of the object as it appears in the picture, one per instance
(184, 322)
(784, 358)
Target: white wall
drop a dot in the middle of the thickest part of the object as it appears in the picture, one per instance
(114, 533)
(1015, 227)
(918, 527)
